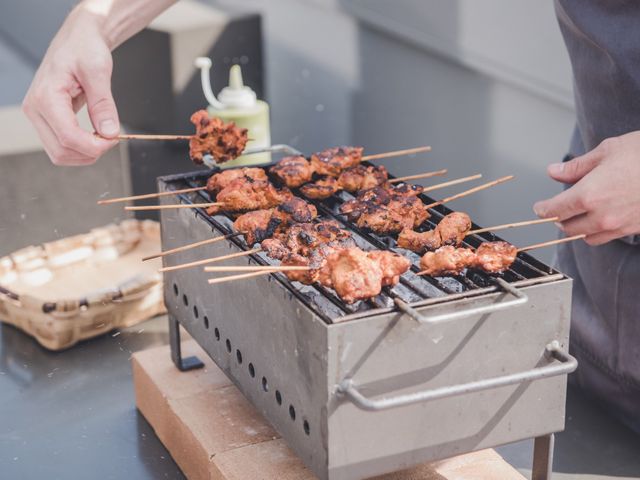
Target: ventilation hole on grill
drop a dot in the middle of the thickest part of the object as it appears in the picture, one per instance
(278, 397)
(305, 426)
(185, 300)
(265, 384)
(195, 312)
(228, 342)
(239, 356)
(216, 332)
(292, 412)
(205, 319)
(252, 371)
(175, 289)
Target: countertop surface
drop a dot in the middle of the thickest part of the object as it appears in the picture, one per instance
(71, 415)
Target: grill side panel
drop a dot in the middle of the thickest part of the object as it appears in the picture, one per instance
(393, 354)
(268, 343)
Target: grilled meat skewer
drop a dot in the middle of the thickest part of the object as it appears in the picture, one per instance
(492, 257)
(223, 141)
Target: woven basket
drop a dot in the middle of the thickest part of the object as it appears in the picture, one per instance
(83, 286)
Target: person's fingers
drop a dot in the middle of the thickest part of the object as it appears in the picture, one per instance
(96, 83)
(57, 154)
(573, 170)
(56, 108)
(78, 102)
(565, 205)
(603, 237)
(586, 224)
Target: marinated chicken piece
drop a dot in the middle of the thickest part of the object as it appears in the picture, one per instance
(304, 238)
(495, 257)
(223, 141)
(295, 210)
(447, 260)
(293, 171)
(242, 195)
(380, 195)
(321, 189)
(333, 161)
(254, 225)
(419, 242)
(392, 265)
(275, 248)
(220, 180)
(362, 177)
(399, 214)
(453, 228)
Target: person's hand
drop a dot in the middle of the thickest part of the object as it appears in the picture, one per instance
(76, 69)
(604, 202)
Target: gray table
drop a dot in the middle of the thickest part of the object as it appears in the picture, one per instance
(72, 415)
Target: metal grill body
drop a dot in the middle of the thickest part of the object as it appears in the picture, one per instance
(360, 391)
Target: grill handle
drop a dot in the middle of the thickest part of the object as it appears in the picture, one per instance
(520, 298)
(563, 365)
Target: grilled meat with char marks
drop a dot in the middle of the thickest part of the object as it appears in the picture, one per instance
(320, 189)
(495, 257)
(244, 194)
(223, 141)
(293, 171)
(333, 161)
(220, 180)
(450, 231)
(255, 225)
(399, 214)
(362, 177)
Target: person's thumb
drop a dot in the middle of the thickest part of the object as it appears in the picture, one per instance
(573, 170)
(100, 104)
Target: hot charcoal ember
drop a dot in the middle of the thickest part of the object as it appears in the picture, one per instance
(491, 257)
(451, 230)
(293, 171)
(321, 189)
(353, 273)
(223, 141)
(362, 177)
(333, 161)
(399, 214)
(244, 194)
(219, 181)
(259, 225)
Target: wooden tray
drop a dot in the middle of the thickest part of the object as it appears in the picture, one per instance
(83, 286)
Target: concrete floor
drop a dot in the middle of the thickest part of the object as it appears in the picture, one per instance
(72, 415)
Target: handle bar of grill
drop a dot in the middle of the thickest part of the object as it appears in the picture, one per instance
(564, 364)
(520, 298)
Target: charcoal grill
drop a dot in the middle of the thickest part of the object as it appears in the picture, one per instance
(429, 369)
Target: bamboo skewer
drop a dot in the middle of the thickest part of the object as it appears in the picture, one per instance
(208, 260)
(259, 268)
(513, 225)
(241, 276)
(139, 136)
(437, 173)
(396, 153)
(470, 191)
(150, 195)
(451, 183)
(551, 242)
(172, 206)
(190, 246)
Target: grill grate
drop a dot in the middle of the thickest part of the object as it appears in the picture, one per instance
(411, 289)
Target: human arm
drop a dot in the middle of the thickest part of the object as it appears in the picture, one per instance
(604, 199)
(76, 70)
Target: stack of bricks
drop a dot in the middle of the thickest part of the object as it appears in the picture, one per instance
(214, 433)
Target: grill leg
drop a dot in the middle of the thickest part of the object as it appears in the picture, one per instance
(183, 364)
(543, 457)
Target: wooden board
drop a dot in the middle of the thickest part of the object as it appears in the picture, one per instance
(214, 433)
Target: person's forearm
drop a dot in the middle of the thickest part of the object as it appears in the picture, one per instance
(119, 20)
